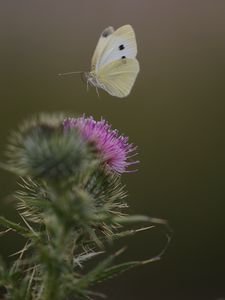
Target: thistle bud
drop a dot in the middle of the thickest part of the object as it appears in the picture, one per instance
(42, 148)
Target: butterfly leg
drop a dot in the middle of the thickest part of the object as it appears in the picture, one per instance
(97, 91)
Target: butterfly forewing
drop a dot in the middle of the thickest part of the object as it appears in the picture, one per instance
(120, 44)
(102, 42)
(118, 77)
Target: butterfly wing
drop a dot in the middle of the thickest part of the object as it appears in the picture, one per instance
(118, 77)
(102, 42)
(121, 43)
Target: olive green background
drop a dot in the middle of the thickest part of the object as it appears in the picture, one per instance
(175, 114)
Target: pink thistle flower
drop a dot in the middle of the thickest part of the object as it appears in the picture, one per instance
(114, 149)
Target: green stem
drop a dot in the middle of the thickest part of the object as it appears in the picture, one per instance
(58, 244)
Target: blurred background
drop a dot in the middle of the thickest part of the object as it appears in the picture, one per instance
(175, 114)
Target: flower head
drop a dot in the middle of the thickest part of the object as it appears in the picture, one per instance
(41, 149)
(114, 149)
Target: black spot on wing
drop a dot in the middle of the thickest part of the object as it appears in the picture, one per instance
(121, 47)
(123, 57)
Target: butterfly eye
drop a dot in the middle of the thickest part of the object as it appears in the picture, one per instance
(121, 47)
(123, 57)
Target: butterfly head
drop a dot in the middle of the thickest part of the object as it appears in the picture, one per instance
(84, 77)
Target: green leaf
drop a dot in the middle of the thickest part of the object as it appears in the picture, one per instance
(14, 226)
(126, 233)
(120, 268)
(80, 259)
(117, 270)
(124, 220)
(95, 274)
(137, 219)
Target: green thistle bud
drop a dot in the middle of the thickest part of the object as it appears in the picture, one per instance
(42, 148)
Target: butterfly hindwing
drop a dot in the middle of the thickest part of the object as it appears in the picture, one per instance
(118, 77)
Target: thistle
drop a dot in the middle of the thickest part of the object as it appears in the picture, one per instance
(113, 149)
(72, 204)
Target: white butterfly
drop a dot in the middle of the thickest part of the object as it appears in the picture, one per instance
(114, 66)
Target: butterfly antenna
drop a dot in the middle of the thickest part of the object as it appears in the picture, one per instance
(70, 73)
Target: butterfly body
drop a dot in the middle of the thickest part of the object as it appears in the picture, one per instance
(92, 80)
(114, 66)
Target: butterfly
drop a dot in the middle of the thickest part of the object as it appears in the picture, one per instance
(114, 66)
